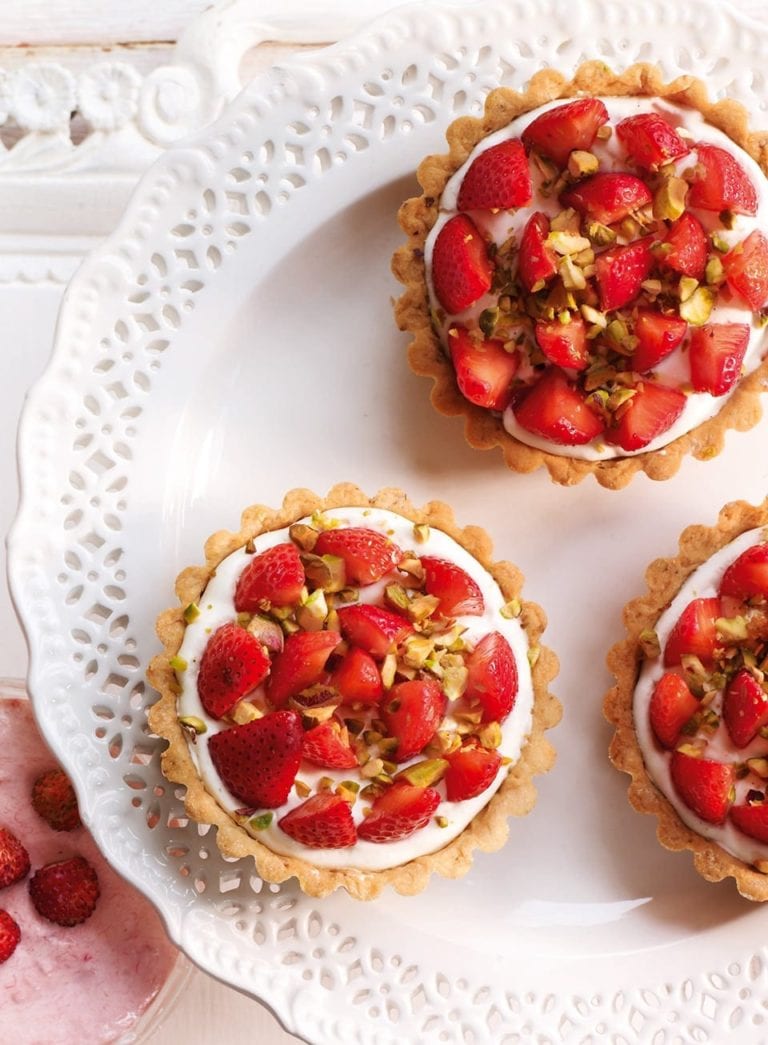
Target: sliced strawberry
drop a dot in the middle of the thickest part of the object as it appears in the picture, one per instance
(651, 411)
(54, 799)
(747, 577)
(375, 630)
(233, 664)
(558, 411)
(746, 269)
(492, 677)
(498, 179)
(470, 771)
(672, 705)
(14, 859)
(401, 810)
(721, 183)
(327, 745)
(10, 934)
(537, 262)
(559, 131)
(564, 344)
(324, 821)
(620, 272)
(650, 141)
(706, 787)
(65, 892)
(357, 678)
(412, 711)
(694, 633)
(300, 665)
(657, 336)
(272, 578)
(745, 708)
(461, 269)
(608, 197)
(752, 820)
(684, 248)
(258, 762)
(458, 593)
(484, 369)
(717, 351)
(367, 554)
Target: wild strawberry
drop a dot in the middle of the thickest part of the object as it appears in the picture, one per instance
(233, 664)
(458, 593)
(621, 271)
(470, 771)
(745, 708)
(564, 344)
(324, 821)
(367, 554)
(684, 248)
(65, 892)
(721, 183)
(375, 630)
(492, 677)
(747, 577)
(300, 665)
(14, 859)
(657, 336)
(608, 197)
(412, 711)
(327, 745)
(650, 141)
(558, 411)
(357, 678)
(53, 798)
(461, 269)
(401, 810)
(536, 262)
(705, 786)
(559, 131)
(484, 369)
(258, 762)
(498, 179)
(746, 270)
(10, 934)
(274, 577)
(752, 820)
(672, 705)
(651, 411)
(694, 633)
(717, 351)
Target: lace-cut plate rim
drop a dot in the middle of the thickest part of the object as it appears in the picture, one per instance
(128, 458)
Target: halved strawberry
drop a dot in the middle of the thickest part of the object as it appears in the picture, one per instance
(746, 269)
(672, 705)
(470, 771)
(14, 859)
(458, 593)
(684, 248)
(259, 761)
(536, 262)
(745, 708)
(559, 131)
(498, 179)
(650, 141)
(461, 269)
(747, 577)
(328, 745)
(705, 786)
(300, 664)
(717, 352)
(620, 272)
(324, 821)
(65, 892)
(412, 711)
(492, 677)
(657, 336)
(695, 633)
(233, 664)
(10, 934)
(357, 678)
(608, 197)
(557, 410)
(401, 810)
(367, 554)
(564, 344)
(373, 629)
(721, 183)
(484, 369)
(274, 577)
(752, 820)
(651, 411)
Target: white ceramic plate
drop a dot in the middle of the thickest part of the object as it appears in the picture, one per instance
(234, 339)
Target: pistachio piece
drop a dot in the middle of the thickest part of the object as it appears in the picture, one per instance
(489, 735)
(686, 287)
(511, 609)
(397, 597)
(372, 768)
(312, 615)
(260, 822)
(455, 677)
(416, 650)
(268, 632)
(600, 234)
(732, 629)
(422, 607)
(714, 272)
(720, 243)
(759, 766)
(244, 711)
(488, 319)
(567, 242)
(649, 643)
(302, 790)
(194, 723)
(424, 774)
(191, 612)
(389, 670)
(572, 276)
(698, 308)
(421, 532)
(303, 536)
(581, 163)
(324, 571)
(442, 821)
(566, 220)
(669, 200)
(178, 663)
(534, 653)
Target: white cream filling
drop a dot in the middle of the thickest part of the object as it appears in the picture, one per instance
(700, 406)
(703, 583)
(217, 607)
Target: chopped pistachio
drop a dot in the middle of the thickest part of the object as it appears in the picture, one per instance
(178, 663)
(619, 397)
(731, 629)
(194, 723)
(652, 287)
(421, 532)
(714, 272)
(489, 735)
(567, 242)
(312, 615)
(581, 163)
(416, 650)
(630, 228)
(325, 783)
(604, 132)
(442, 821)
(412, 566)
(324, 571)
(533, 655)
(698, 308)
(303, 536)
(267, 632)
(669, 200)
(348, 790)
(693, 750)
(450, 639)
(244, 711)
(192, 612)
(511, 609)
(389, 670)
(422, 607)
(566, 220)
(572, 276)
(686, 287)
(759, 766)
(720, 243)
(424, 774)
(397, 597)
(600, 234)
(488, 319)
(302, 790)
(649, 643)
(454, 680)
(261, 822)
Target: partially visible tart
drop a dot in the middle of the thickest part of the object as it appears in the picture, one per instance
(353, 693)
(691, 701)
(587, 274)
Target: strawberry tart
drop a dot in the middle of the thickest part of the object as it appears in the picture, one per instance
(587, 274)
(353, 693)
(691, 700)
